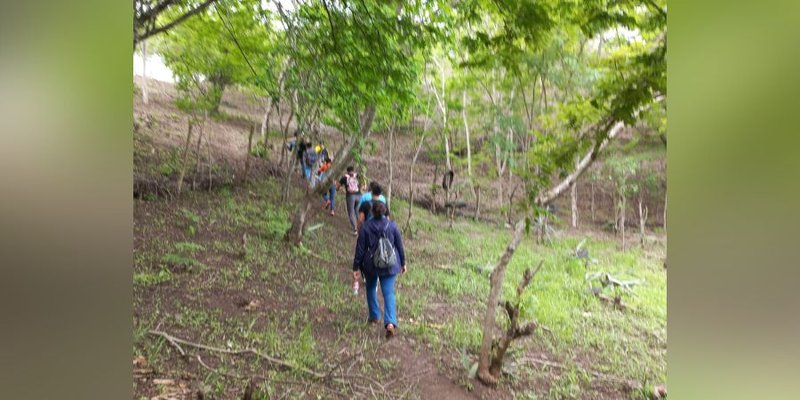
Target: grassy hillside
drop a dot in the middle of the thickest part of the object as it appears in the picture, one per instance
(211, 269)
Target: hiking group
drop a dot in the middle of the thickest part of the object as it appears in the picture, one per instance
(379, 255)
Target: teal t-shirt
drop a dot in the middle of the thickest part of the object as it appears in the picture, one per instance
(367, 197)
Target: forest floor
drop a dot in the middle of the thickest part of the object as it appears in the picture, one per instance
(211, 269)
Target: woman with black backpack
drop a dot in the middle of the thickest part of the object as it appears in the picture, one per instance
(380, 258)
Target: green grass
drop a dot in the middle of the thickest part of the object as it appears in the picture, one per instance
(455, 265)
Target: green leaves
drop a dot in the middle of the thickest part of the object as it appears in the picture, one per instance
(224, 45)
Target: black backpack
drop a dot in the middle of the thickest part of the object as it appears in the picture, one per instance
(384, 256)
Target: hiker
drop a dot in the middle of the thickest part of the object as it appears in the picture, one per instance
(352, 195)
(375, 193)
(301, 146)
(323, 151)
(330, 195)
(309, 161)
(380, 266)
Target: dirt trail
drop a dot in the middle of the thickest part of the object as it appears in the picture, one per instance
(418, 368)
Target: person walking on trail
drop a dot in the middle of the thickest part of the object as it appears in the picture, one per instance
(323, 151)
(309, 161)
(352, 195)
(380, 257)
(375, 193)
(302, 146)
(329, 196)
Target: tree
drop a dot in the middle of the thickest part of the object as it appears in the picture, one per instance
(362, 57)
(631, 77)
(620, 172)
(226, 44)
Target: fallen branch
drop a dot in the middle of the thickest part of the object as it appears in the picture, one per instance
(175, 341)
(273, 360)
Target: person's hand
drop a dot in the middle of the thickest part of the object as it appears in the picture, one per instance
(403, 270)
(357, 275)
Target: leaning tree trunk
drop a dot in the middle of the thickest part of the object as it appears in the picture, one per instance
(488, 323)
(551, 194)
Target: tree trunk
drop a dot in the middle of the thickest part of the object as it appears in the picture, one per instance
(287, 179)
(389, 187)
(592, 203)
(466, 133)
(197, 150)
(478, 205)
(511, 200)
(622, 201)
(574, 203)
(665, 211)
(299, 222)
(443, 106)
(488, 323)
(184, 157)
(433, 188)
(411, 183)
(265, 124)
(144, 72)
(580, 168)
(642, 221)
(500, 194)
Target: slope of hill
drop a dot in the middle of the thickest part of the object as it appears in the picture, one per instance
(213, 280)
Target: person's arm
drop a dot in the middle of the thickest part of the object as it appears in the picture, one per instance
(361, 244)
(398, 244)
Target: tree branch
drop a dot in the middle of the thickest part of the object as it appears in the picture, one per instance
(152, 32)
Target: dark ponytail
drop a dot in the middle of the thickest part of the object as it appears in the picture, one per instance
(378, 209)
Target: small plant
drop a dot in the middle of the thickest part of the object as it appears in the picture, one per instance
(193, 220)
(150, 278)
(180, 262)
(259, 150)
(188, 247)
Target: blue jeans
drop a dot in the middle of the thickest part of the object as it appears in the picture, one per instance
(389, 306)
(306, 172)
(330, 195)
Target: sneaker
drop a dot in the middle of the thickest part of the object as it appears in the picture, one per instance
(327, 204)
(333, 213)
(355, 233)
(390, 331)
(372, 322)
